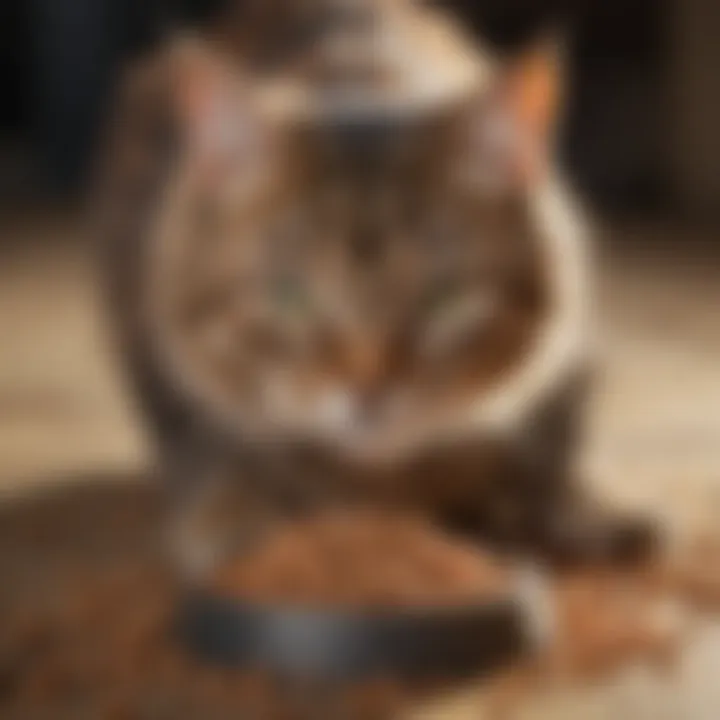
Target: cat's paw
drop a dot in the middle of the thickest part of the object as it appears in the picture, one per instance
(587, 538)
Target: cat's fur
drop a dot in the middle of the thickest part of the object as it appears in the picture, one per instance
(307, 324)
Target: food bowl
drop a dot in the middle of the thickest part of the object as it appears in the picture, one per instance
(413, 616)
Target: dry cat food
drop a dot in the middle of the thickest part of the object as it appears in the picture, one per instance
(363, 559)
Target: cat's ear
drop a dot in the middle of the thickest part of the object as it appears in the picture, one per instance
(514, 131)
(209, 105)
(534, 89)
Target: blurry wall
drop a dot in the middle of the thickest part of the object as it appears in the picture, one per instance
(695, 87)
(13, 68)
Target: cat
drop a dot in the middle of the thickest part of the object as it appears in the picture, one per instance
(380, 299)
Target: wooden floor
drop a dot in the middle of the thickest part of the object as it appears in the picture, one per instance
(62, 409)
(654, 424)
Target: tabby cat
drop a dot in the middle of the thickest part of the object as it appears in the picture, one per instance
(343, 270)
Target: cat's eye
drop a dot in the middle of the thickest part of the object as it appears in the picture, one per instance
(442, 294)
(455, 315)
(290, 294)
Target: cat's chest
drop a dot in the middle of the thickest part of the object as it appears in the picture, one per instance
(473, 471)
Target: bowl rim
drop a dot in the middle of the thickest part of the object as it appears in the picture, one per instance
(342, 643)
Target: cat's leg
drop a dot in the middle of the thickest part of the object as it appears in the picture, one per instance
(216, 510)
(568, 524)
(226, 496)
(216, 500)
(582, 530)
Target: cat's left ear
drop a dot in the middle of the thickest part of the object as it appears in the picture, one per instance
(212, 111)
(514, 131)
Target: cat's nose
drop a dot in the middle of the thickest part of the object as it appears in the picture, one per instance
(368, 407)
(345, 410)
(366, 368)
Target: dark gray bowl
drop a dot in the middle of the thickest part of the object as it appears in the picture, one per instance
(336, 645)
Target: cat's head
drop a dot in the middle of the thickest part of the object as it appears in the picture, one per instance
(363, 311)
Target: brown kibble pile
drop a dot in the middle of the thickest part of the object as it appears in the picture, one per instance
(363, 559)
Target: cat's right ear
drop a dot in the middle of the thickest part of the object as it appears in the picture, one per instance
(512, 133)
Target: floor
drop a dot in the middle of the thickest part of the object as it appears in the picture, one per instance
(654, 435)
(62, 408)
